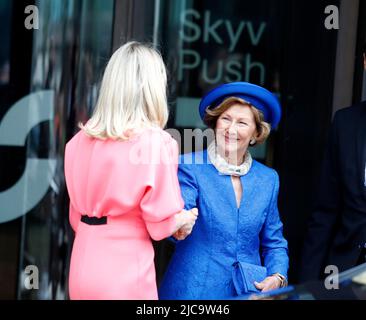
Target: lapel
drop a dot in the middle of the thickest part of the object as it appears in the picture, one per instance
(361, 146)
(249, 183)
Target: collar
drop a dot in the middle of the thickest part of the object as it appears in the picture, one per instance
(225, 168)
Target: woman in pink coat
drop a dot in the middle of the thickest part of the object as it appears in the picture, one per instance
(121, 176)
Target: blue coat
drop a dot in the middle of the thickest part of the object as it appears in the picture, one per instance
(202, 266)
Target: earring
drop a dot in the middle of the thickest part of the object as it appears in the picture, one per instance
(252, 142)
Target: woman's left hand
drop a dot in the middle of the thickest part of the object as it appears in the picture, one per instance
(269, 283)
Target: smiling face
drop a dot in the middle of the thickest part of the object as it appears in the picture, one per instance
(235, 128)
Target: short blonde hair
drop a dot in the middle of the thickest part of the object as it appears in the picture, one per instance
(132, 93)
(263, 128)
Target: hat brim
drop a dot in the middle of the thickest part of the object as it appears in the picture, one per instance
(259, 97)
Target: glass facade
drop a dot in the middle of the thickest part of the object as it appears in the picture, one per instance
(207, 43)
(67, 55)
(9, 232)
(360, 73)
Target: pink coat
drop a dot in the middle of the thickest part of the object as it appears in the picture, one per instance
(134, 183)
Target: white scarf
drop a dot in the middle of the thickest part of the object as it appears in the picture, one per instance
(223, 167)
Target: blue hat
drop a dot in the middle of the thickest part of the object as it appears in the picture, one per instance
(259, 97)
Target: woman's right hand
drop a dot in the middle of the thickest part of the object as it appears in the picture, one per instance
(185, 222)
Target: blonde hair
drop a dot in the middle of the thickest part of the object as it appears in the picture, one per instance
(263, 128)
(132, 93)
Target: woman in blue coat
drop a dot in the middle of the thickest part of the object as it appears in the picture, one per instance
(236, 246)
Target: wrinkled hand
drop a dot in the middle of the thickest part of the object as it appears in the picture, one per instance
(187, 227)
(269, 283)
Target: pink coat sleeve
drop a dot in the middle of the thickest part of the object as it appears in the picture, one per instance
(74, 215)
(162, 198)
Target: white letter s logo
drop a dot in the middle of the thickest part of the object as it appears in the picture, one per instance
(31, 187)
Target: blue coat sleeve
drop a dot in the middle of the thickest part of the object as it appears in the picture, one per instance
(274, 247)
(188, 187)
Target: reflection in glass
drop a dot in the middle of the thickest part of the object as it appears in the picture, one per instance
(207, 43)
(69, 51)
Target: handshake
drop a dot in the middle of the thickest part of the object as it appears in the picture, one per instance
(185, 221)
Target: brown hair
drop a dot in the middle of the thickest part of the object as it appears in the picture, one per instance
(263, 128)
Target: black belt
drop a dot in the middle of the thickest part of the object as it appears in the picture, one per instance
(94, 221)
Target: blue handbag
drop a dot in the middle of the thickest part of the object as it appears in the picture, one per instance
(244, 274)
